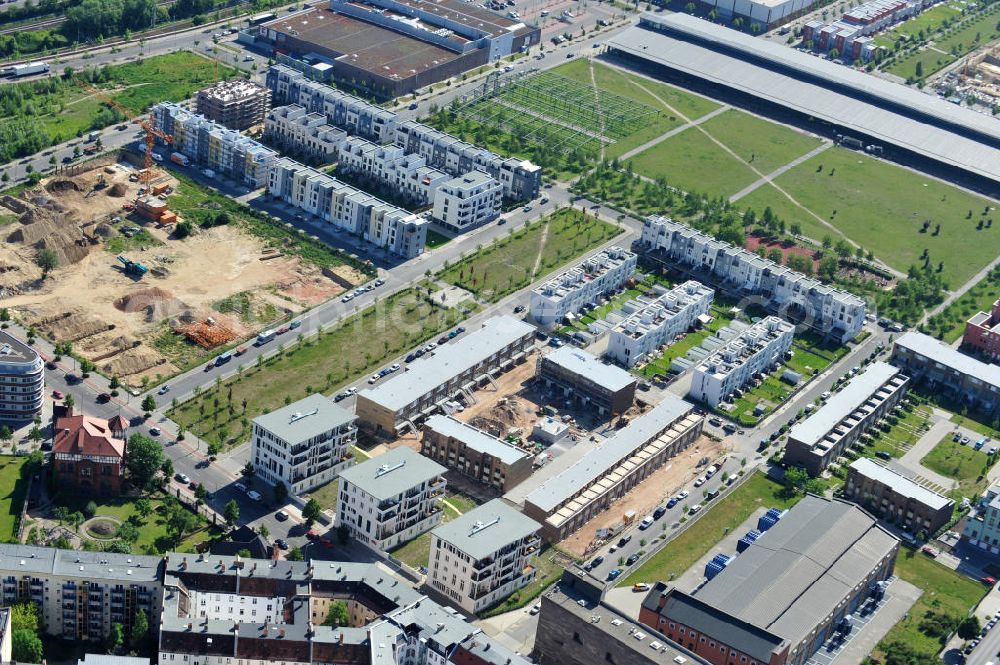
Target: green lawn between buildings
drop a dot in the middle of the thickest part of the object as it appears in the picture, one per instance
(962, 463)
(15, 490)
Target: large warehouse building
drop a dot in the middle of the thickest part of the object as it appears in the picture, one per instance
(784, 597)
(905, 124)
(388, 48)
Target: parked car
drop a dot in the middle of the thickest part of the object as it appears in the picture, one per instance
(613, 575)
(164, 389)
(597, 561)
(658, 513)
(281, 516)
(673, 502)
(281, 543)
(155, 431)
(640, 586)
(254, 495)
(182, 479)
(646, 522)
(519, 309)
(683, 494)
(104, 398)
(632, 559)
(699, 481)
(624, 540)
(240, 486)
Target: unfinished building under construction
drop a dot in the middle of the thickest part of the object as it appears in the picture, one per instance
(236, 104)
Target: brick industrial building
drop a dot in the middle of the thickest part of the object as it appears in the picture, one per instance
(982, 332)
(237, 104)
(581, 377)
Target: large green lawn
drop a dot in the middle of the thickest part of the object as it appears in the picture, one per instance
(949, 325)
(320, 364)
(153, 538)
(962, 463)
(15, 490)
(962, 40)
(721, 517)
(516, 260)
(768, 144)
(883, 207)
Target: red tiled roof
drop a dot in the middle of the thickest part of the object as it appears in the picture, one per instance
(84, 435)
(118, 422)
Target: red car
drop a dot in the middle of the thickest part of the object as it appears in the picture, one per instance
(326, 542)
(209, 367)
(310, 534)
(282, 330)
(57, 394)
(988, 580)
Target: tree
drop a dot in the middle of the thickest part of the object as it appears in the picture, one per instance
(280, 492)
(243, 553)
(264, 531)
(776, 255)
(167, 468)
(232, 512)
(200, 492)
(24, 616)
(143, 507)
(311, 511)
(919, 71)
(828, 267)
(248, 473)
(6, 433)
(90, 509)
(127, 532)
(149, 403)
(294, 554)
(26, 646)
(116, 638)
(969, 628)
(140, 628)
(180, 521)
(143, 458)
(47, 260)
(337, 615)
(843, 249)
(68, 401)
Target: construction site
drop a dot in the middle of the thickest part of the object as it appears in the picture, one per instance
(976, 80)
(125, 291)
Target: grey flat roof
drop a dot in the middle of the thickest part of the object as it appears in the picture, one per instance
(302, 420)
(899, 483)
(579, 361)
(25, 559)
(485, 529)
(476, 439)
(425, 374)
(392, 473)
(794, 577)
(857, 391)
(931, 348)
(814, 91)
(13, 350)
(623, 443)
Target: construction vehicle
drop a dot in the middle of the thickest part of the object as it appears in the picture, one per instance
(133, 267)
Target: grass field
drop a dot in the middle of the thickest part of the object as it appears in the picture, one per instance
(721, 517)
(153, 536)
(948, 48)
(416, 553)
(901, 437)
(945, 591)
(883, 207)
(320, 364)
(949, 325)
(435, 239)
(963, 463)
(517, 260)
(15, 490)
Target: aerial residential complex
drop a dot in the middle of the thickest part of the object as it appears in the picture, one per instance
(483, 556)
(237, 104)
(586, 282)
(895, 496)
(982, 525)
(303, 445)
(474, 453)
(391, 498)
(467, 201)
(520, 179)
(22, 380)
(389, 48)
(658, 321)
(581, 377)
(820, 439)
(780, 600)
(982, 332)
(406, 175)
(754, 351)
(851, 33)
(370, 218)
(830, 311)
(568, 500)
(302, 133)
(944, 370)
(404, 400)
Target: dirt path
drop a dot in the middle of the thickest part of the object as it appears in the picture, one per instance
(541, 250)
(452, 506)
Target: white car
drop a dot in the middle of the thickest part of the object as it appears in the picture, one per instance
(535, 609)
(157, 157)
(254, 494)
(695, 508)
(394, 367)
(699, 481)
(348, 298)
(683, 494)
(164, 389)
(373, 378)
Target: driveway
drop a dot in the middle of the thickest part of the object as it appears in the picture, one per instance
(941, 428)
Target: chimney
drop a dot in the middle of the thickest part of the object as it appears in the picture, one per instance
(184, 564)
(340, 640)
(663, 600)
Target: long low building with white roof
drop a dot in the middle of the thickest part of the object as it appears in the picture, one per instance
(568, 500)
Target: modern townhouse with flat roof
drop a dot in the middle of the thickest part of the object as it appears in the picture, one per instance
(586, 282)
(474, 453)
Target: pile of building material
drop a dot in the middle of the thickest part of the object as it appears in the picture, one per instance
(208, 333)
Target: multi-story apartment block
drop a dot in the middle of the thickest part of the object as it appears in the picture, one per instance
(864, 400)
(483, 556)
(89, 453)
(655, 322)
(982, 332)
(390, 167)
(22, 380)
(894, 496)
(467, 201)
(209, 144)
(390, 499)
(982, 524)
(580, 376)
(348, 208)
(945, 370)
(584, 283)
(831, 311)
(294, 129)
(474, 453)
(237, 104)
(405, 399)
(80, 594)
(756, 350)
(571, 498)
(303, 445)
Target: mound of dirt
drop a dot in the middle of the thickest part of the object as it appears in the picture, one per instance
(60, 185)
(47, 229)
(138, 301)
(105, 231)
(133, 361)
(118, 189)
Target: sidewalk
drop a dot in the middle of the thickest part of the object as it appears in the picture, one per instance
(939, 430)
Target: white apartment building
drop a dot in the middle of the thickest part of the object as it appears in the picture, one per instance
(348, 208)
(408, 175)
(659, 321)
(585, 282)
(294, 129)
(829, 310)
(467, 201)
(756, 350)
(22, 380)
(483, 556)
(303, 445)
(391, 499)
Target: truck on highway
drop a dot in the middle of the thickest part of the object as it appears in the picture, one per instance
(27, 69)
(179, 158)
(265, 337)
(93, 136)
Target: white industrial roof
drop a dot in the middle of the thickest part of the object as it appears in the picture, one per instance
(811, 87)
(899, 483)
(931, 348)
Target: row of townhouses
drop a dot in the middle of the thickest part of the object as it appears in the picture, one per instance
(348, 208)
(520, 179)
(584, 283)
(213, 146)
(303, 134)
(831, 311)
